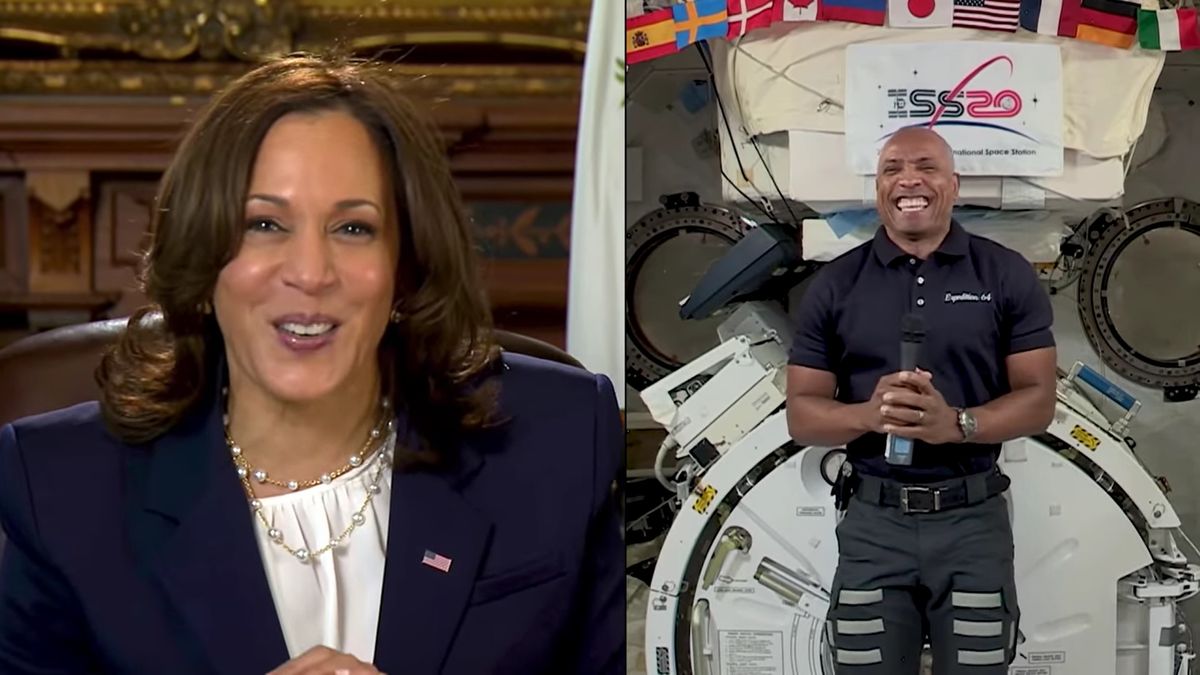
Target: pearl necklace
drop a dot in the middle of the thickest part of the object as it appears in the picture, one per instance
(377, 463)
(244, 469)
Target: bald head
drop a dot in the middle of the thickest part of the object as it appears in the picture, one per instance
(919, 137)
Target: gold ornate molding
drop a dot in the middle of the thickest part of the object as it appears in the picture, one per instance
(249, 30)
(77, 77)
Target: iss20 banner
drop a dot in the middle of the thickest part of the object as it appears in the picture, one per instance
(998, 104)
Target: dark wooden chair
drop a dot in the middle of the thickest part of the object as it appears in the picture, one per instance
(56, 369)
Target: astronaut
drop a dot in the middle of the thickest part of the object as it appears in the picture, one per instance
(925, 548)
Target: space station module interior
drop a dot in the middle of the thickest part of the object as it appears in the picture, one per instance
(738, 580)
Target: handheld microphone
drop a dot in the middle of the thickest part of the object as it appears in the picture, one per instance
(912, 335)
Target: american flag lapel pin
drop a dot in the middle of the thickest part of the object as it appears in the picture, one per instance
(436, 561)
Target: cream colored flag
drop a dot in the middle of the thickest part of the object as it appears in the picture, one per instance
(596, 290)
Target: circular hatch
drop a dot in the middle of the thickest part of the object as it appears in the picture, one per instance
(667, 251)
(1139, 294)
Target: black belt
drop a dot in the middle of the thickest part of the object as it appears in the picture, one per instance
(932, 498)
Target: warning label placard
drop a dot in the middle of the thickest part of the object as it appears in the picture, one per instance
(1047, 657)
(1029, 670)
(751, 652)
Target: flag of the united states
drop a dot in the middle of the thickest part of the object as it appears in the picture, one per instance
(437, 561)
(1002, 15)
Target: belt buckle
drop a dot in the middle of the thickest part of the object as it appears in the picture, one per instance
(920, 489)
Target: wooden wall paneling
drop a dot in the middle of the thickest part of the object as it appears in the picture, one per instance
(525, 239)
(60, 232)
(91, 133)
(534, 188)
(13, 236)
(516, 175)
(529, 297)
(507, 141)
(123, 214)
(512, 161)
(534, 285)
(524, 244)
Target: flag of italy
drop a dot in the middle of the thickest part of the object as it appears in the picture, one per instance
(1168, 29)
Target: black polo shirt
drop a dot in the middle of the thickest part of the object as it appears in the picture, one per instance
(980, 302)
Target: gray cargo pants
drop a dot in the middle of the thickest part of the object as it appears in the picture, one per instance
(903, 577)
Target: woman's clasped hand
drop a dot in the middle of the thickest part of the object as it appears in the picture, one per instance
(321, 660)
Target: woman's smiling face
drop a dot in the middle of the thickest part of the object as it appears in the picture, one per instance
(305, 302)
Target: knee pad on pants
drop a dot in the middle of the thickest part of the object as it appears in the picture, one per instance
(874, 631)
(978, 629)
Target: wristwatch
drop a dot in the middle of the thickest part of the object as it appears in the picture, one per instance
(966, 423)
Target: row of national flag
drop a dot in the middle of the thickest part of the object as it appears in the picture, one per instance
(1115, 23)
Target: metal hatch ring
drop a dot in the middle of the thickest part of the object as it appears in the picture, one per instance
(682, 214)
(1109, 237)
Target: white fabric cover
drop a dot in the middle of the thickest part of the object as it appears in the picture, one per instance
(818, 175)
(1036, 235)
(1106, 91)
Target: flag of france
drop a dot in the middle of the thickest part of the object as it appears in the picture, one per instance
(1044, 16)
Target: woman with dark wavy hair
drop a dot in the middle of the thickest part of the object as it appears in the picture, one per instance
(309, 456)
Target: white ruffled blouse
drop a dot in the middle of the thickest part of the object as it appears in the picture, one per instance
(333, 598)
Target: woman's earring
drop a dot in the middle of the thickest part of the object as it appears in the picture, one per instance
(396, 316)
(205, 308)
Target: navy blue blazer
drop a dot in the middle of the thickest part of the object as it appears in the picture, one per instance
(143, 559)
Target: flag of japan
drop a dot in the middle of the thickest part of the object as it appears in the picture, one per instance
(748, 15)
(796, 10)
(920, 13)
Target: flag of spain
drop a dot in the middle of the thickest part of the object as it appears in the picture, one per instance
(650, 36)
